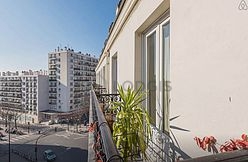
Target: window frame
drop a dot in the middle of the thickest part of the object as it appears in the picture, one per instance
(159, 72)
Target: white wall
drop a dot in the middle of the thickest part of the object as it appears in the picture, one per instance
(43, 88)
(124, 43)
(209, 78)
(64, 82)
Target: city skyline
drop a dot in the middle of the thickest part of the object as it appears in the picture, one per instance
(30, 30)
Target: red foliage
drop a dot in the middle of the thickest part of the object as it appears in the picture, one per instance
(92, 127)
(207, 143)
(234, 144)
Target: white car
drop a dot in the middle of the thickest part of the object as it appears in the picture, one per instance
(3, 139)
(51, 122)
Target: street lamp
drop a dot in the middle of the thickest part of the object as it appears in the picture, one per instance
(28, 126)
(77, 121)
(9, 138)
(68, 124)
(36, 146)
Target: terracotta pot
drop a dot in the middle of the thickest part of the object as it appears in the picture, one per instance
(109, 119)
(102, 106)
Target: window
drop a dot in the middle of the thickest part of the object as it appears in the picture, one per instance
(151, 75)
(166, 72)
(156, 62)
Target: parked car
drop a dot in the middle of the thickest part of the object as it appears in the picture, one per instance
(62, 121)
(18, 132)
(2, 135)
(14, 131)
(3, 139)
(49, 155)
(51, 122)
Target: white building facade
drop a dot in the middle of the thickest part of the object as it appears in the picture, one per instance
(70, 77)
(190, 56)
(24, 95)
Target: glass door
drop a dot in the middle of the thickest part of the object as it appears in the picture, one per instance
(157, 73)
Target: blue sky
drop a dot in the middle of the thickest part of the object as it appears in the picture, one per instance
(29, 29)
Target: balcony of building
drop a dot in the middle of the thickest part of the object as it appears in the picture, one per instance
(7, 89)
(52, 61)
(10, 95)
(53, 78)
(53, 84)
(10, 105)
(52, 91)
(11, 84)
(10, 79)
(53, 67)
(161, 147)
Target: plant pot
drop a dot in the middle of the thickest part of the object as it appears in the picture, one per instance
(102, 106)
(109, 119)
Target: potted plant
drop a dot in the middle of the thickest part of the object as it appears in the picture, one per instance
(131, 128)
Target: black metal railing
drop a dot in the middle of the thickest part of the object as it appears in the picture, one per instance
(106, 98)
(162, 148)
(104, 146)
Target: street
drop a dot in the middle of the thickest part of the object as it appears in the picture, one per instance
(67, 146)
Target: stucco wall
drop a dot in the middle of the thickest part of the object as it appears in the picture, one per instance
(64, 82)
(43, 88)
(209, 70)
(124, 44)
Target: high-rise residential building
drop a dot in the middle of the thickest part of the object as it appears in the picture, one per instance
(70, 77)
(24, 95)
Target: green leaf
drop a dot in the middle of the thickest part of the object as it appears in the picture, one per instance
(129, 125)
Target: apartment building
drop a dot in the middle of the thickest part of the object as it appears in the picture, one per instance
(24, 95)
(192, 59)
(70, 77)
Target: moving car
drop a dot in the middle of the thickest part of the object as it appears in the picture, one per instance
(49, 155)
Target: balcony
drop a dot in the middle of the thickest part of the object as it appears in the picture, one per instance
(52, 91)
(160, 147)
(53, 85)
(52, 97)
(52, 79)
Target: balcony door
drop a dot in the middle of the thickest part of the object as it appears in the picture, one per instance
(157, 73)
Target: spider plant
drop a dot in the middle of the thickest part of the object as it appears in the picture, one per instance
(131, 129)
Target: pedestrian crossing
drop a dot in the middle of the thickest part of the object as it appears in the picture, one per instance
(15, 139)
(71, 135)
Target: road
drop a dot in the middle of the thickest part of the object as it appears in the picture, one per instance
(66, 145)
